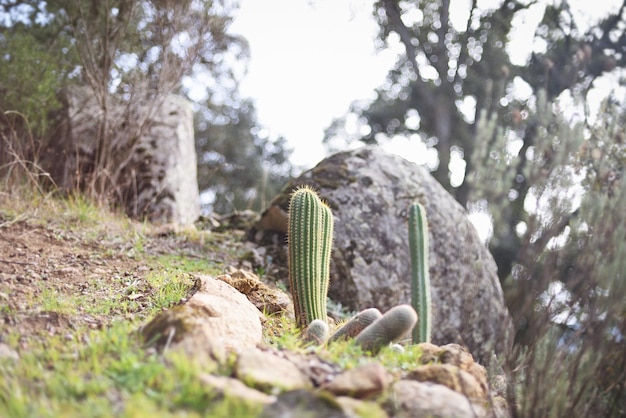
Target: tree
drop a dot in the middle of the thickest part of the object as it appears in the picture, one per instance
(241, 167)
(131, 53)
(452, 71)
(550, 179)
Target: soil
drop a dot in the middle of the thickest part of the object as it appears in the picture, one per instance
(39, 261)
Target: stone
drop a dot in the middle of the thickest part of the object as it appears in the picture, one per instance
(217, 319)
(355, 408)
(232, 387)
(267, 299)
(430, 352)
(459, 356)
(267, 372)
(8, 353)
(153, 152)
(454, 355)
(304, 404)
(452, 377)
(411, 399)
(370, 192)
(361, 382)
(316, 369)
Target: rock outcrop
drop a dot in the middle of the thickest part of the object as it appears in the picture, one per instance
(434, 381)
(369, 192)
(151, 144)
(215, 320)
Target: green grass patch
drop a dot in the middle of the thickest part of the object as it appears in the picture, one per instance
(108, 373)
(183, 264)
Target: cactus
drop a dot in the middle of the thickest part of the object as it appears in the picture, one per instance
(420, 279)
(355, 325)
(387, 329)
(309, 235)
(316, 333)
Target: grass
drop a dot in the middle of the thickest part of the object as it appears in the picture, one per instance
(111, 375)
(106, 371)
(281, 333)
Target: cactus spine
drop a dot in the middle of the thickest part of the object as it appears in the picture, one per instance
(387, 329)
(420, 279)
(309, 237)
(355, 325)
(316, 333)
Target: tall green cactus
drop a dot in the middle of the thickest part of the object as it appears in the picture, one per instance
(420, 279)
(309, 236)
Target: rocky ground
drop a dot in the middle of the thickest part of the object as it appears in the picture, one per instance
(74, 272)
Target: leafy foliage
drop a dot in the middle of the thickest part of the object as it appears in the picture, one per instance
(455, 66)
(537, 159)
(565, 291)
(131, 55)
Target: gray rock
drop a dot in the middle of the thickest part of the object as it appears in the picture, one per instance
(304, 404)
(165, 166)
(152, 145)
(410, 399)
(369, 192)
(265, 371)
(232, 387)
(361, 382)
(8, 353)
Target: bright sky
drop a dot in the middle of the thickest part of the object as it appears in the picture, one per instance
(309, 61)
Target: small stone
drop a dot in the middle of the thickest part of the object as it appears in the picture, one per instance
(232, 387)
(304, 404)
(361, 382)
(359, 408)
(450, 376)
(7, 352)
(411, 399)
(268, 372)
(430, 352)
(458, 355)
(267, 299)
(397, 348)
(217, 318)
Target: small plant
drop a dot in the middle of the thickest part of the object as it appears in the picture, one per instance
(387, 329)
(420, 279)
(309, 236)
(316, 333)
(354, 326)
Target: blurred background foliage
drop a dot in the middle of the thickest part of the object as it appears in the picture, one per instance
(131, 50)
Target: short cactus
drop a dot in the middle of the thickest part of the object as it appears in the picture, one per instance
(316, 333)
(309, 235)
(387, 329)
(355, 325)
(420, 279)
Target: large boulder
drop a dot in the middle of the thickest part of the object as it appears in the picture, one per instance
(369, 192)
(152, 149)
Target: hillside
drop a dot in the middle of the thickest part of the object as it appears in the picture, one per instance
(81, 287)
(75, 282)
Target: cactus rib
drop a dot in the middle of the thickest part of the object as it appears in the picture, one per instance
(387, 329)
(420, 279)
(316, 333)
(355, 325)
